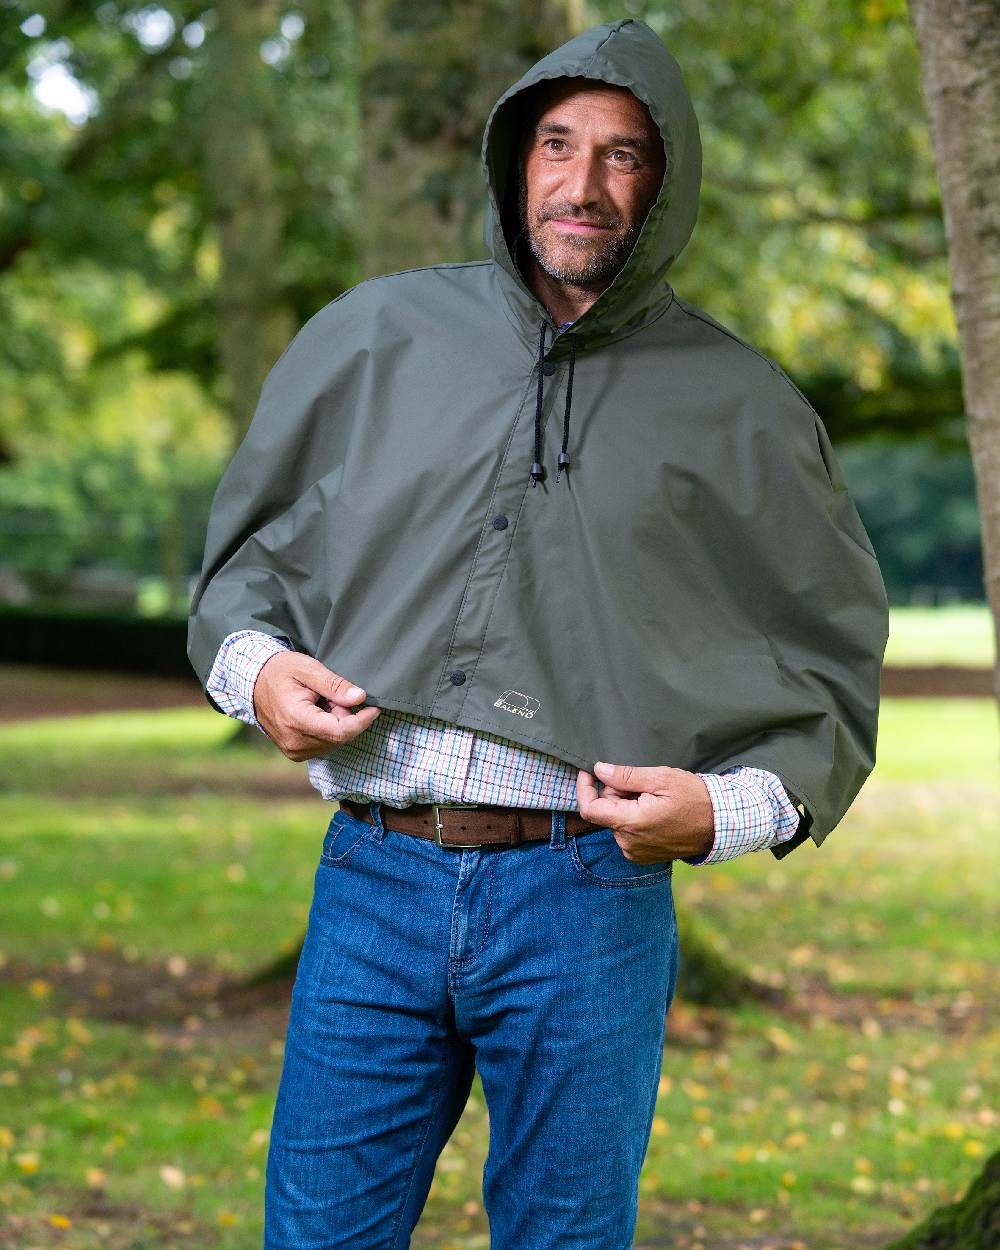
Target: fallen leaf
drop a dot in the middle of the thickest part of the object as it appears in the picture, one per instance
(172, 1177)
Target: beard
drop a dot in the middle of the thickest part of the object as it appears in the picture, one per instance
(588, 263)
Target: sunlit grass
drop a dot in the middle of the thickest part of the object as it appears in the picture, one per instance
(938, 740)
(128, 752)
(962, 634)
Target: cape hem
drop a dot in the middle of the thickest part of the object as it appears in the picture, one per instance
(532, 741)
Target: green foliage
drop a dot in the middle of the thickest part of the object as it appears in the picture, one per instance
(918, 504)
(99, 509)
(819, 238)
(820, 235)
(107, 245)
(127, 484)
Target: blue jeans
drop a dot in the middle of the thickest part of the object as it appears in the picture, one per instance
(548, 967)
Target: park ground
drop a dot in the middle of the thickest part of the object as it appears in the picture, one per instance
(147, 865)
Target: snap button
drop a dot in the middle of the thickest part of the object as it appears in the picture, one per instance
(500, 522)
(457, 677)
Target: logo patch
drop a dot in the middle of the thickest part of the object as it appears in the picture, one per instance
(518, 703)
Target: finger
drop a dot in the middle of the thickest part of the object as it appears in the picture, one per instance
(586, 788)
(315, 676)
(604, 809)
(615, 813)
(298, 699)
(337, 725)
(630, 778)
(305, 746)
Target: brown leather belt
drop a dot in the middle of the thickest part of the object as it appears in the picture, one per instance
(469, 825)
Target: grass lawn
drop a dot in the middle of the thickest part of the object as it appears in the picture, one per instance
(961, 634)
(144, 863)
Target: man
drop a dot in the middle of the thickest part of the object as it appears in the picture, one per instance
(688, 612)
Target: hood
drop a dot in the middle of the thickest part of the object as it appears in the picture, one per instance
(626, 54)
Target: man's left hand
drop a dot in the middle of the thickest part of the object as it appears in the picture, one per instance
(654, 813)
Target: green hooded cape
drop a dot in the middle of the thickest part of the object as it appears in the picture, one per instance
(696, 589)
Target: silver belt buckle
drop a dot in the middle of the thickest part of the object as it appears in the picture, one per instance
(462, 807)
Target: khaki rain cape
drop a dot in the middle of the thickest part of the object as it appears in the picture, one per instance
(695, 589)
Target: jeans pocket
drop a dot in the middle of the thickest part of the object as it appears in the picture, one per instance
(344, 835)
(597, 857)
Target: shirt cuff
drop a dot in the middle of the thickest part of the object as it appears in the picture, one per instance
(235, 670)
(752, 812)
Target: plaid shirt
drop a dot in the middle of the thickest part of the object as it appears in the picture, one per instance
(402, 759)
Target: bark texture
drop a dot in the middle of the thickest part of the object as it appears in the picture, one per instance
(971, 1224)
(255, 322)
(960, 67)
(959, 44)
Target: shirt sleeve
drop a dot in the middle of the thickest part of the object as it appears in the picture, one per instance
(234, 673)
(752, 813)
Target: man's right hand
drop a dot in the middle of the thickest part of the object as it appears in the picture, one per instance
(303, 706)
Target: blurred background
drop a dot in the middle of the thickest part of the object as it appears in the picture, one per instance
(184, 187)
(181, 187)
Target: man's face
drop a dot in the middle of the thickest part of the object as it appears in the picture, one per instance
(591, 169)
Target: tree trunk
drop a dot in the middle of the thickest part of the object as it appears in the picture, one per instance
(971, 1224)
(428, 84)
(255, 324)
(708, 976)
(959, 43)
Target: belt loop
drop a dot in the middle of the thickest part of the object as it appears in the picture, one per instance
(558, 838)
(375, 809)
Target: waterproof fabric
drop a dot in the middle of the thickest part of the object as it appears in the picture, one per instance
(696, 589)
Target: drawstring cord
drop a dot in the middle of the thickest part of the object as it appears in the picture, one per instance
(564, 455)
(537, 468)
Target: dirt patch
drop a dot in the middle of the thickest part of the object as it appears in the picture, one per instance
(804, 1001)
(275, 779)
(685, 1226)
(32, 693)
(188, 999)
(110, 1225)
(182, 999)
(939, 680)
(956, 1014)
